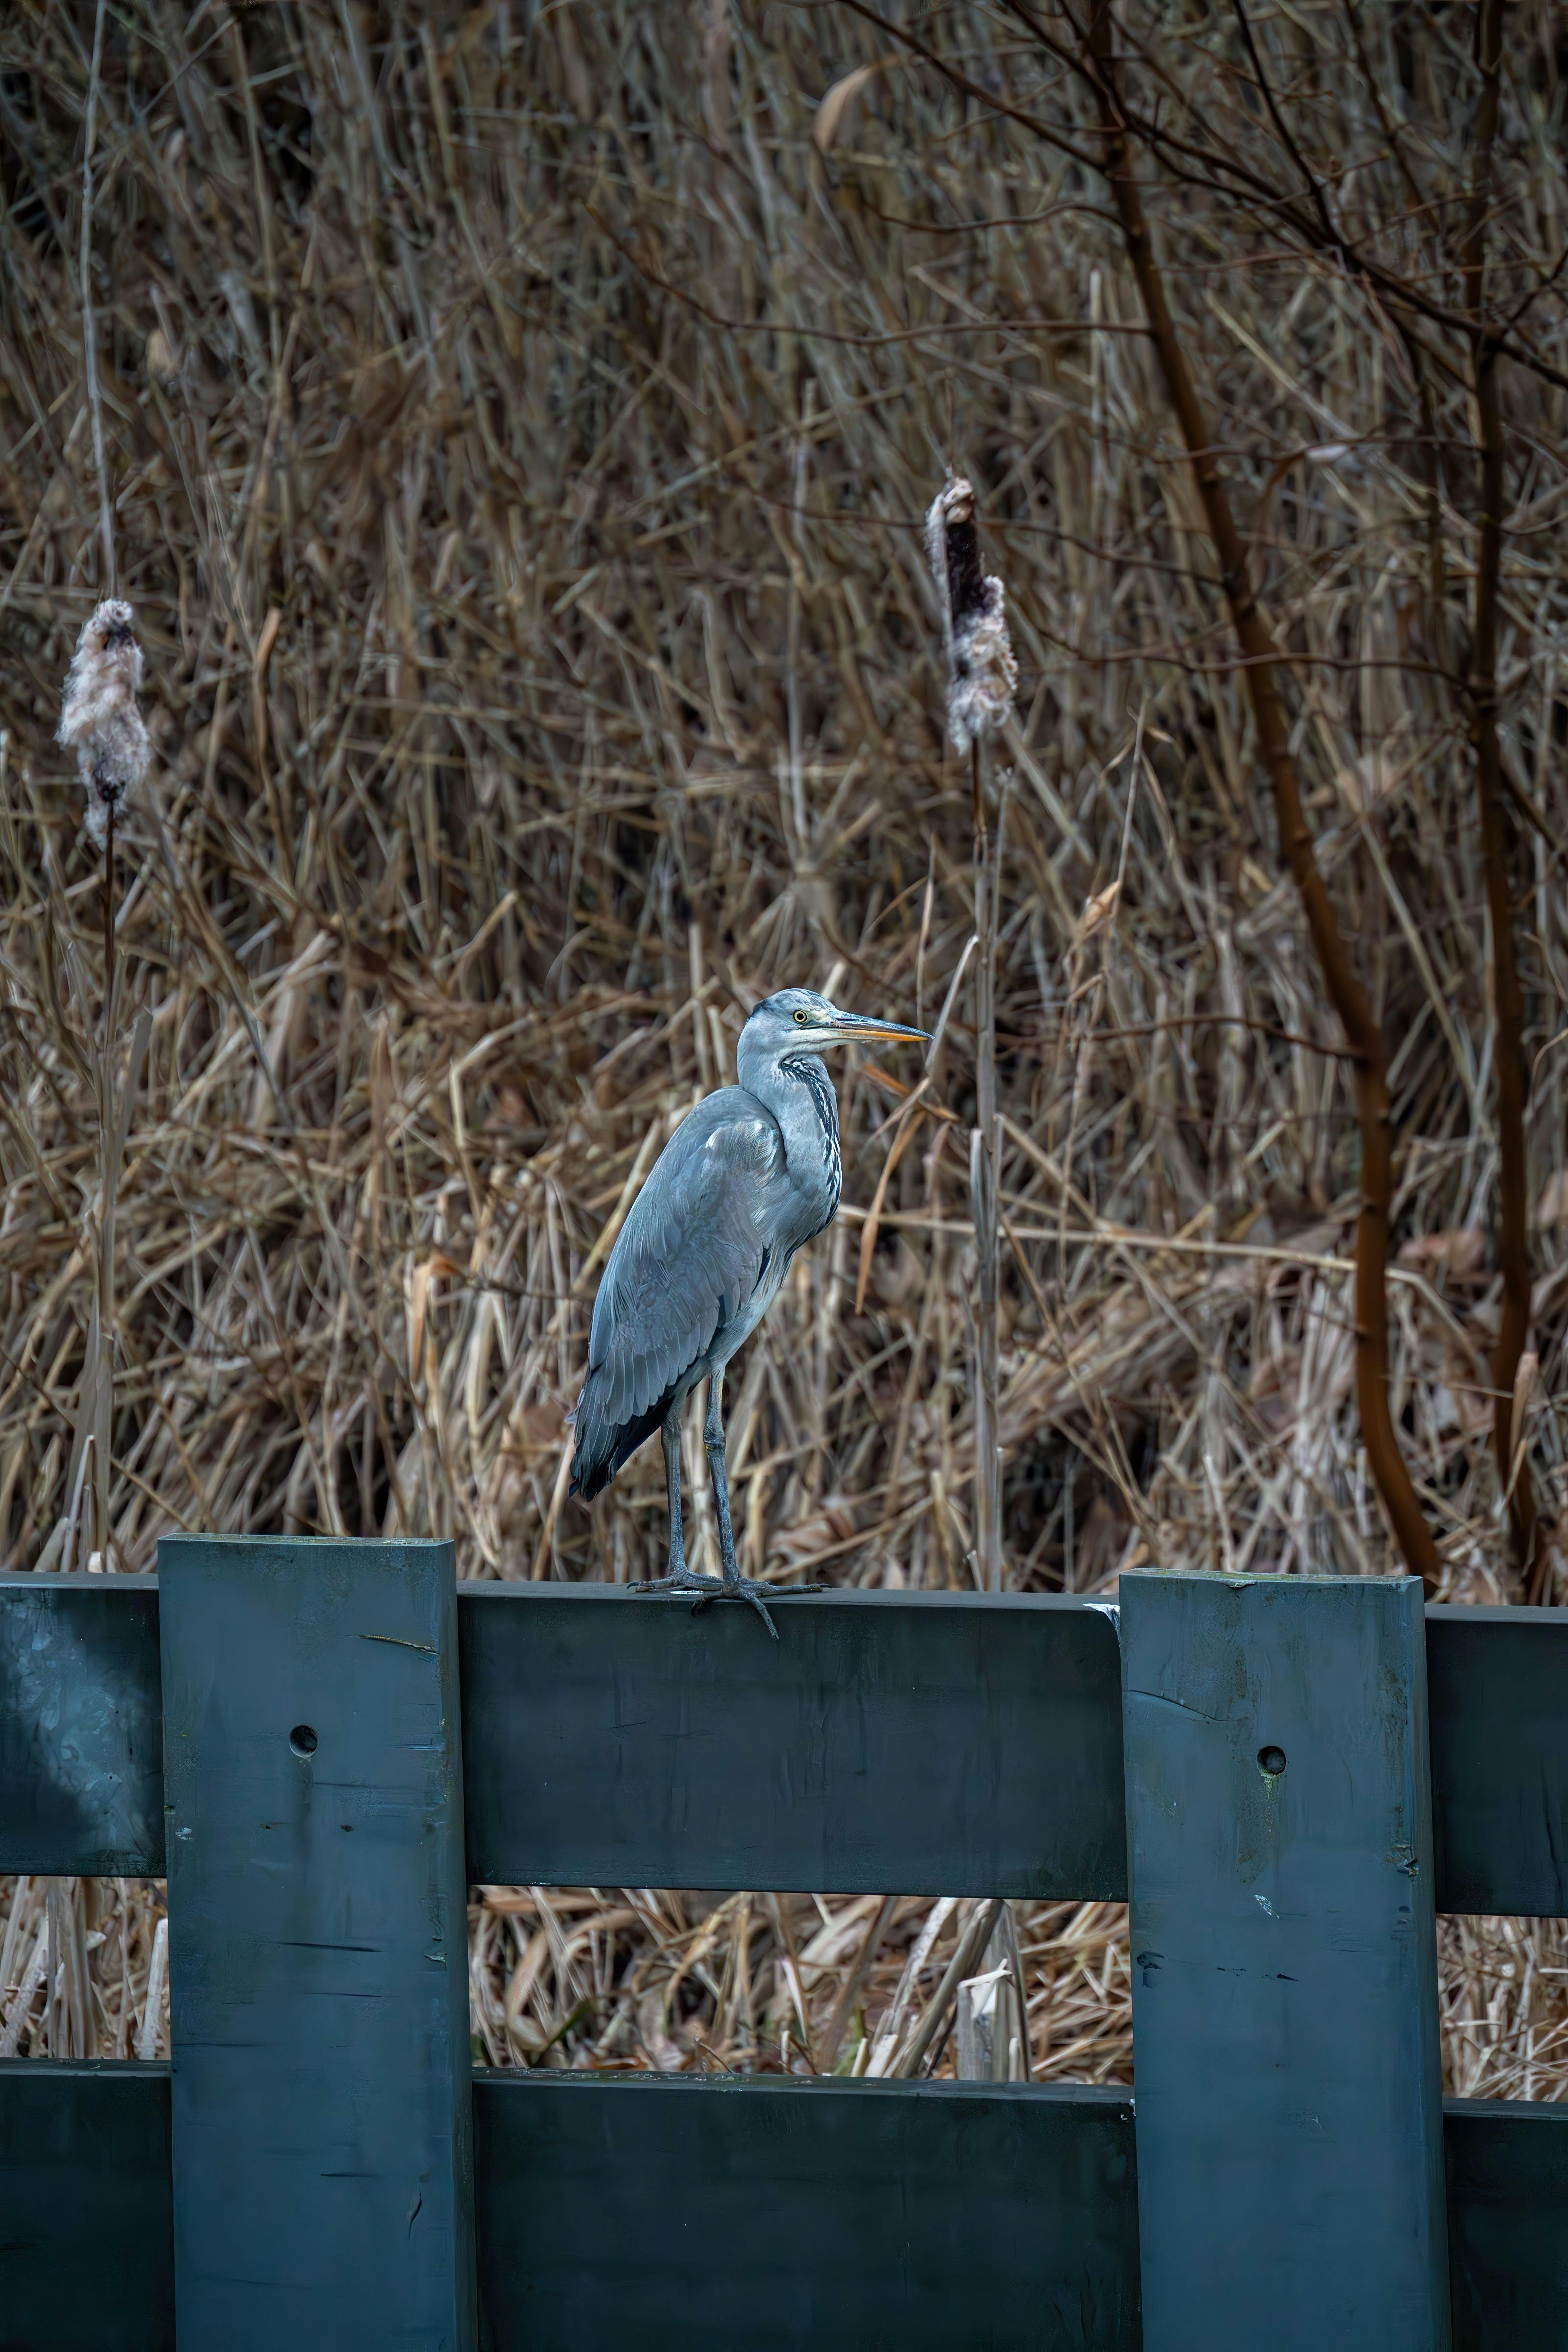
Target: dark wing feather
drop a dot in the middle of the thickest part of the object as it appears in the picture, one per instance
(690, 1253)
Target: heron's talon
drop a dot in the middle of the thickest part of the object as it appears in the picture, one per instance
(704, 1589)
(682, 1579)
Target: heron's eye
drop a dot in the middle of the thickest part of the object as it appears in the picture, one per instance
(802, 1017)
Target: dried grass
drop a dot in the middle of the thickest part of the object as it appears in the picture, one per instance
(107, 1995)
(539, 670)
(776, 1984)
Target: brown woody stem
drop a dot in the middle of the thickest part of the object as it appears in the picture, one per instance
(1350, 1000)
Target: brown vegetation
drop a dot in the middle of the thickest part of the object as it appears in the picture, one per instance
(516, 429)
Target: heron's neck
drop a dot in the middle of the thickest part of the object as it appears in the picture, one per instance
(799, 1093)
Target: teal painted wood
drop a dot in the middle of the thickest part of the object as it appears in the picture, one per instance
(81, 1760)
(1497, 1687)
(1508, 2225)
(939, 1743)
(318, 1947)
(638, 1708)
(771, 2213)
(87, 2237)
(1284, 1965)
(87, 2257)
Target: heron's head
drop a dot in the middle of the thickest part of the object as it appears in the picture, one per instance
(799, 1021)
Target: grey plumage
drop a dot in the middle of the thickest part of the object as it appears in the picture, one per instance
(747, 1179)
(693, 1258)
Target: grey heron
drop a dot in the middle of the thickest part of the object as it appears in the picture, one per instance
(747, 1179)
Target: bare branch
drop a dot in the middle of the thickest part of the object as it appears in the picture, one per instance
(1508, 1001)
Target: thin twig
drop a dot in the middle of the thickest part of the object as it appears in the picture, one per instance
(88, 335)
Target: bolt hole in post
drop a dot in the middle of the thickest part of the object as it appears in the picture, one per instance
(1271, 1761)
(303, 1739)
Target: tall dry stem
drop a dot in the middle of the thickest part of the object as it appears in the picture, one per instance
(982, 677)
(89, 330)
(101, 720)
(985, 1153)
(1508, 1000)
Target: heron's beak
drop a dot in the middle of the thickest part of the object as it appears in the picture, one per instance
(846, 1025)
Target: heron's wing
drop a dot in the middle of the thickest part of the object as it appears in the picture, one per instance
(693, 1249)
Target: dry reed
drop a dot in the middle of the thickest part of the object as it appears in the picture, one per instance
(518, 430)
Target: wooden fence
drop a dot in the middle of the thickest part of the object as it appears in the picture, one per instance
(323, 1744)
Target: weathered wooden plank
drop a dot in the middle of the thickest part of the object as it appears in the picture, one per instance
(318, 1946)
(1498, 1683)
(1508, 2225)
(941, 1744)
(86, 2250)
(87, 2254)
(775, 2213)
(81, 1760)
(81, 1765)
(1284, 1965)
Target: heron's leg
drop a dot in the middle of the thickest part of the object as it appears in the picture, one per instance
(678, 1577)
(713, 1441)
(736, 1585)
(669, 1435)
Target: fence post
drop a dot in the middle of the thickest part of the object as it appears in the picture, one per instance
(322, 2155)
(1287, 2076)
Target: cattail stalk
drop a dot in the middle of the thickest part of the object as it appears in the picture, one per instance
(101, 720)
(983, 1150)
(982, 676)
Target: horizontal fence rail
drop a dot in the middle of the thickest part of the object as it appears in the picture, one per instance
(907, 1743)
(963, 1747)
(613, 2210)
(81, 1727)
(844, 2198)
(1497, 1683)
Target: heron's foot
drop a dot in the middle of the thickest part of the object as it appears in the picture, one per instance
(683, 1580)
(746, 1588)
(705, 1589)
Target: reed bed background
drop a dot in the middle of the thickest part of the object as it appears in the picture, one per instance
(518, 422)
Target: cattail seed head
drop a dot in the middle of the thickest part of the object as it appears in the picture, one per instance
(100, 721)
(982, 667)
